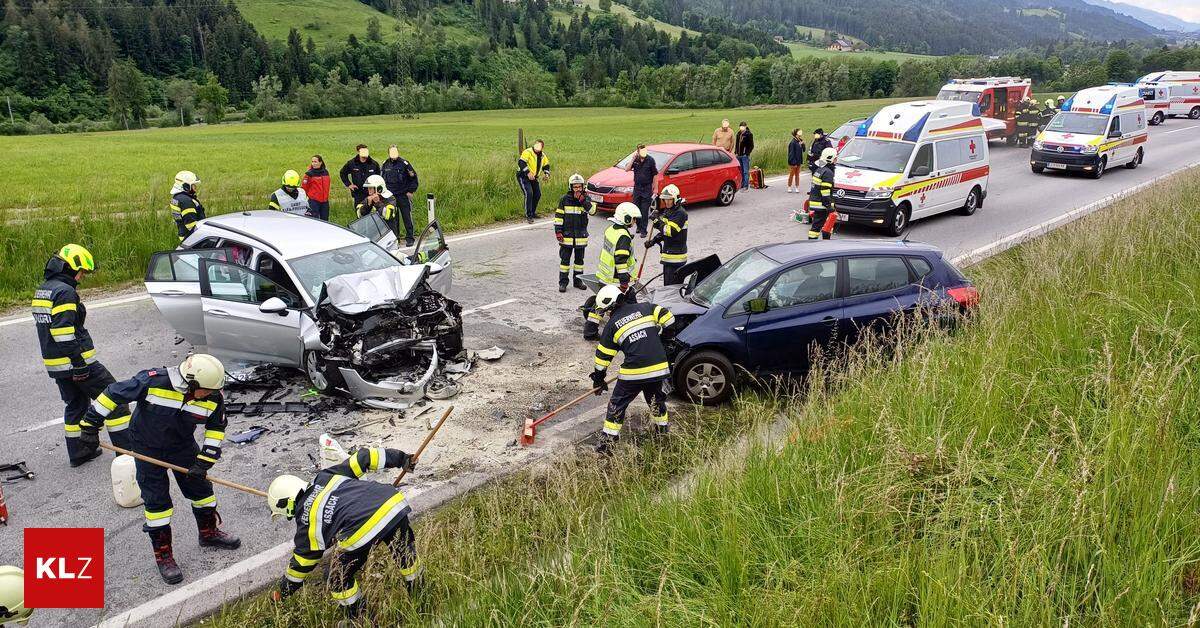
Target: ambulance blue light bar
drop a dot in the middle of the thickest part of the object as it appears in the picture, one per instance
(861, 131)
(914, 133)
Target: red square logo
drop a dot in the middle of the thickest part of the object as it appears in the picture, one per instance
(64, 567)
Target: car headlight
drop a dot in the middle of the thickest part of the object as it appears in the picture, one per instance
(878, 193)
(623, 190)
(1088, 150)
(1038, 145)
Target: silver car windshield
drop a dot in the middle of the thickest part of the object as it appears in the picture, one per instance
(732, 277)
(871, 154)
(314, 270)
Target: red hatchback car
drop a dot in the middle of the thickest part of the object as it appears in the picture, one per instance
(701, 171)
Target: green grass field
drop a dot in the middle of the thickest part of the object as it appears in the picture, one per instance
(332, 21)
(1035, 468)
(564, 15)
(804, 50)
(110, 190)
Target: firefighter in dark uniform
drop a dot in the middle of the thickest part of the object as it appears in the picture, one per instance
(571, 231)
(338, 509)
(1027, 120)
(171, 402)
(67, 350)
(354, 173)
(820, 197)
(671, 222)
(185, 207)
(633, 329)
(617, 264)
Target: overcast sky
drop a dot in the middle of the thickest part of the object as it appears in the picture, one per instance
(1186, 9)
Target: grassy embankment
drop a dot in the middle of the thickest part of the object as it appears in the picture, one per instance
(1038, 467)
(109, 191)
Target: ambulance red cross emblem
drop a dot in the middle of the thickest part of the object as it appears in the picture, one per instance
(922, 198)
(972, 146)
(1067, 136)
(853, 173)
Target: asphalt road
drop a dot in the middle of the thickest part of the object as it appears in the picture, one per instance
(517, 263)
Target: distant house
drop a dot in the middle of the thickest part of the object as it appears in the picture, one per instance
(778, 38)
(577, 3)
(841, 45)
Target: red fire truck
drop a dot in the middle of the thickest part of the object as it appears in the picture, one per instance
(998, 97)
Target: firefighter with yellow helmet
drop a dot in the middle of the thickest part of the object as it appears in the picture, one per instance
(617, 263)
(290, 198)
(186, 208)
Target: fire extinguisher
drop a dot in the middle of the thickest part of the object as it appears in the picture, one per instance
(3, 508)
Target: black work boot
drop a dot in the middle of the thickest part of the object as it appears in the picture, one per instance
(164, 556)
(207, 520)
(86, 458)
(579, 283)
(562, 286)
(606, 444)
(661, 430)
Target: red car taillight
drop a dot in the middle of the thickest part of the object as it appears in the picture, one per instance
(966, 296)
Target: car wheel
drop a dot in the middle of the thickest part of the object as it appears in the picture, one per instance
(1137, 161)
(1100, 167)
(1037, 168)
(1194, 113)
(897, 220)
(705, 378)
(323, 377)
(974, 200)
(726, 194)
(1157, 119)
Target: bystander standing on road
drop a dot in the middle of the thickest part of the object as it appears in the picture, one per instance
(795, 160)
(316, 186)
(354, 174)
(743, 146)
(723, 136)
(644, 170)
(532, 164)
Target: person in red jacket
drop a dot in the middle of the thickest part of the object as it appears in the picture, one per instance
(316, 186)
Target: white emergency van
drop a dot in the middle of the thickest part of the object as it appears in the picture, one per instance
(913, 160)
(1098, 128)
(1170, 94)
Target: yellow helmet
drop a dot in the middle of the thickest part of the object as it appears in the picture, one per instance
(281, 495)
(291, 178)
(77, 258)
(12, 595)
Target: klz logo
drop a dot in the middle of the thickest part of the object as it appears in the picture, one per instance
(64, 567)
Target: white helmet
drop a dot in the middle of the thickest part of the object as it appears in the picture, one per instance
(576, 179)
(607, 297)
(204, 371)
(828, 155)
(186, 180)
(375, 181)
(626, 214)
(281, 495)
(12, 595)
(671, 191)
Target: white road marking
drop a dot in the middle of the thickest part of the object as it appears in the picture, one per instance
(38, 426)
(1186, 128)
(489, 306)
(90, 306)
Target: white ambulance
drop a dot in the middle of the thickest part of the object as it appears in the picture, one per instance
(913, 160)
(1098, 128)
(1170, 94)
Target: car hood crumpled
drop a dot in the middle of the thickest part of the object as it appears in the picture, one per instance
(670, 298)
(359, 292)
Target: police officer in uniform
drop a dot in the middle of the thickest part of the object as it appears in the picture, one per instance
(671, 222)
(290, 198)
(617, 263)
(67, 350)
(185, 207)
(571, 231)
(632, 329)
(820, 197)
(401, 179)
(171, 402)
(338, 509)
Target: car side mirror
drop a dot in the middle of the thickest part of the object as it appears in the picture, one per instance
(756, 306)
(1113, 134)
(435, 268)
(273, 305)
(673, 170)
(920, 171)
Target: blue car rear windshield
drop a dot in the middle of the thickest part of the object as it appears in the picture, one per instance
(732, 277)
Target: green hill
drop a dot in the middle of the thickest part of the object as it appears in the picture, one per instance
(332, 21)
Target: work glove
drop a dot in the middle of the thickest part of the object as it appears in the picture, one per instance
(598, 382)
(624, 286)
(409, 464)
(89, 436)
(559, 237)
(199, 469)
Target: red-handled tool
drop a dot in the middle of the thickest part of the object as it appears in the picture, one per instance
(531, 425)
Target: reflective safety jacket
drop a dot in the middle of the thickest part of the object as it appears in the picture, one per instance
(571, 219)
(340, 509)
(284, 202)
(166, 416)
(633, 329)
(672, 233)
(529, 160)
(617, 260)
(186, 210)
(820, 195)
(59, 316)
(385, 206)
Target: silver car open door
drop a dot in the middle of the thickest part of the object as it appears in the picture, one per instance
(431, 249)
(248, 317)
(373, 228)
(173, 282)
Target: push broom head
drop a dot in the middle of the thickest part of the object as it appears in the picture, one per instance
(527, 433)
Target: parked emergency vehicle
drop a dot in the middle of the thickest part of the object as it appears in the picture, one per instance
(913, 160)
(998, 97)
(1097, 128)
(1169, 94)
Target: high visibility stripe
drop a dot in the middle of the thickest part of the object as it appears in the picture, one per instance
(165, 397)
(273, 205)
(89, 356)
(316, 539)
(606, 351)
(645, 372)
(195, 408)
(118, 424)
(381, 519)
(413, 571)
(564, 267)
(187, 210)
(159, 519)
(46, 303)
(592, 316)
(56, 361)
(635, 325)
(207, 405)
(673, 257)
(662, 420)
(206, 458)
(104, 403)
(207, 502)
(217, 434)
(72, 430)
(212, 442)
(558, 222)
(355, 468)
(65, 307)
(612, 428)
(60, 331)
(295, 576)
(602, 363)
(166, 393)
(304, 562)
(376, 454)
(347, 597)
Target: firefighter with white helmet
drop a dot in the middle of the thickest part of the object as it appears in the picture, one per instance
(290, 198)
(633, 329)
(571, 231)
(171, 402)
(617, 262)
(671, 221)
(12, 596)
(821, 211)
(381, 201)
(339, 509)
(186, 208)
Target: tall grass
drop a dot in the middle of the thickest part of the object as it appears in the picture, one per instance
(1036, 467)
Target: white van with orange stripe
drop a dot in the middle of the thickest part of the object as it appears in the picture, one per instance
(1170, 94)
(913, 160)
(1098, 128)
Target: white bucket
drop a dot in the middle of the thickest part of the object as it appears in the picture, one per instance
(331, 452)
(124, 482)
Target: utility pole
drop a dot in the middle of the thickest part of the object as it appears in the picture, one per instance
(10, 115)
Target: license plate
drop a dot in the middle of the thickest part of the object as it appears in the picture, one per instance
(1055, 166)
(595, 198)
(842, 217)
